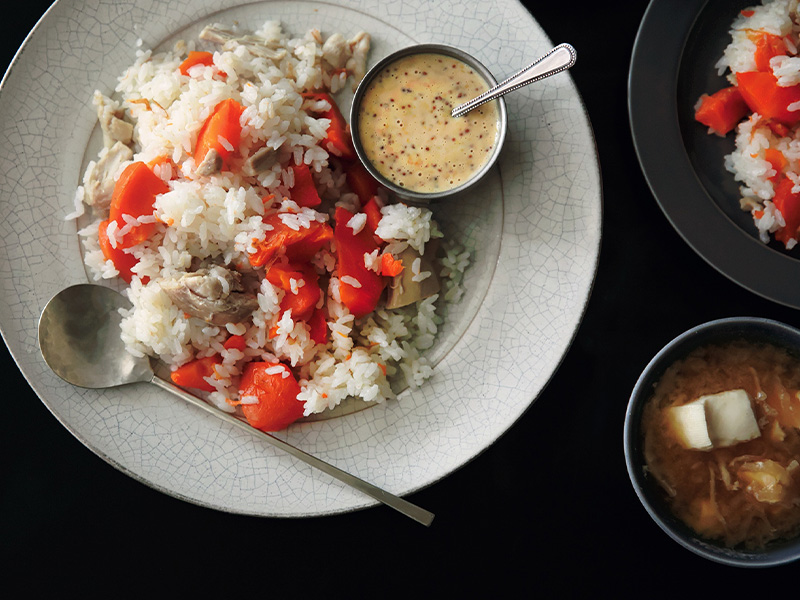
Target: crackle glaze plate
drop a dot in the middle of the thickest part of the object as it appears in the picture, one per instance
(533, 226)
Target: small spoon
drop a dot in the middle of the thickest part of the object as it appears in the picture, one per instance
(79, 337)
(560, 58)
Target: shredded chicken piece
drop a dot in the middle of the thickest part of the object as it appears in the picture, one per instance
(257, 45)
(357, 63)
(215, 295)
(109, 114)
(749, 203)
(260, 161)
(211, 164)
(336, 51)
(101, 176)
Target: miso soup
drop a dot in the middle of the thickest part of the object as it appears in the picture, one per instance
(748, 493)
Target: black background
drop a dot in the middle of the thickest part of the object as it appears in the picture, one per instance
(547, 509)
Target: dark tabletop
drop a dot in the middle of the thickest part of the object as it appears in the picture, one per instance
(548, 507)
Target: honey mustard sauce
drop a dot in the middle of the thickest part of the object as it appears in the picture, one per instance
(407, 131)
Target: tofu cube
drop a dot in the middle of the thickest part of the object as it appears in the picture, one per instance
(730, 418)
(688, 422)
(714, 421)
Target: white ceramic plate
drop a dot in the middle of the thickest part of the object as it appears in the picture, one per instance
(534, 226)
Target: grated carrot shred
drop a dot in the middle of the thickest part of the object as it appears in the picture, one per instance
(143, 101)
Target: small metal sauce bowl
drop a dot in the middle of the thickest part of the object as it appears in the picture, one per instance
(458, 54)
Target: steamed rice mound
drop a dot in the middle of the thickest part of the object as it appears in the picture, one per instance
(762, 66)
(220, 218)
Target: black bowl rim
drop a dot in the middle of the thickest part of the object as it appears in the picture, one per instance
(718, 330)
(422, 49)
(657, 60)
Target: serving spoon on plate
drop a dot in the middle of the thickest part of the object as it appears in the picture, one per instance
(79, 337)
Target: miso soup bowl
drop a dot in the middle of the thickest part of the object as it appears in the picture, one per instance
(355, 126)
(651, 495)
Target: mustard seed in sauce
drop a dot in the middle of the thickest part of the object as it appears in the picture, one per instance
(431, 85)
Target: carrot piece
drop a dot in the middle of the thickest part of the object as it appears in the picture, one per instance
(304, 191)
(763, 95)
(318, 326)
(277, 405)
(373, 212)
(196, 58)
(390, 266)
(304, 248)
(193, 373)
(123, 261)
(222, 123)
(767, 46)
(164, 159)
(302, 300)
(789, 204)
(722, 110)
(778, 129)
(161, 159)
(299, 245)
(363, 184)
(338, 138)
(134, 195)
(360, 299)
(777, 160)
(235, 342)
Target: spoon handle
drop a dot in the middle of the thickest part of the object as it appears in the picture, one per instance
(560, 58)
(407, 508)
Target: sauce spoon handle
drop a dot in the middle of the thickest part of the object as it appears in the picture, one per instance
(560, 58)
(399, 504)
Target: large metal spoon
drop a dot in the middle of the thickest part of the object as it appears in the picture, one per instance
(560, 58)
(79, 336)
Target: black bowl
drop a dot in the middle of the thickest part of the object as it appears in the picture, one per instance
(672, 63)
(647, 489)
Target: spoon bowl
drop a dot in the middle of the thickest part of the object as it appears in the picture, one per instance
(79, 337)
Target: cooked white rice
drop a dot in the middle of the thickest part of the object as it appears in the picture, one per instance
(773, 17)
(221, 217)
(756, 136)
